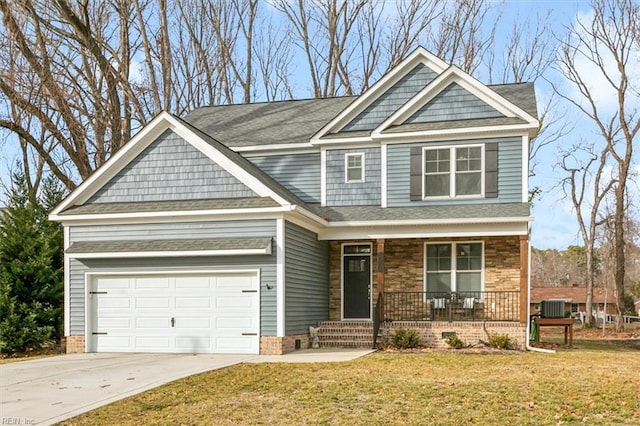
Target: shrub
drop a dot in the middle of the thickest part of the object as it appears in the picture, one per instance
(19, 328)
(405, 338)
(500, 341)
(454, 341)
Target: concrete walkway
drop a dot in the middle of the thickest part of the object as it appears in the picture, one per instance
(48, 390)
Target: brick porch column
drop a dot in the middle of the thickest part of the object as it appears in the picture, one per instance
(524, 273)
(380, 272)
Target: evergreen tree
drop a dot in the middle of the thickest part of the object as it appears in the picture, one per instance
(31, 261)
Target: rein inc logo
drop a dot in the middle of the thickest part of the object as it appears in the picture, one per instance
(16, 421)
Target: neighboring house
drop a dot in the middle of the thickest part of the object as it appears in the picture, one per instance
(636, 306)
(237, 227)
(575, 299)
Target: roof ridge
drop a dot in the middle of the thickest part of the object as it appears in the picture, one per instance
(280, 101)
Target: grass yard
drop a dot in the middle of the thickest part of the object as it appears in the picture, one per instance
(596, 382)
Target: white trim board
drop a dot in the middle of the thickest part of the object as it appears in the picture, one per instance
(186, 253)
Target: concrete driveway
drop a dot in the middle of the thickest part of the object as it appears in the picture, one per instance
(48, 390)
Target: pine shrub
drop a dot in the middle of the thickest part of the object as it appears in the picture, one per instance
(406, 338)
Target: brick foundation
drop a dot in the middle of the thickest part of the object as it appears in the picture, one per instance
(469, 332)
(272, 345)
(74, 344)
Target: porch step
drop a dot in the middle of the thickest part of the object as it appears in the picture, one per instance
(346, 334)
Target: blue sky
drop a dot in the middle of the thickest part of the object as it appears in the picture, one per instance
(555, 224)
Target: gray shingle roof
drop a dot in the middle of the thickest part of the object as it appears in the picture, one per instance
(521, 94)
(283, 122)
(179, 205)
(168, 245)
(287, 122)
(482, 212)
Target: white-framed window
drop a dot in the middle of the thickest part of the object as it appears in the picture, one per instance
(453, 171)
(354, 167)
(454, 267)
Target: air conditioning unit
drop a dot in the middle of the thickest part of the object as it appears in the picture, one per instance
(552, 309)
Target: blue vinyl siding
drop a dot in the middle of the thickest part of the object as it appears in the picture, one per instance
(173, 231)
(178, 230)
(453, 103)
(389, 102)
(170, 169)
(509, 173)
(299, 173)
(306, 279)
(341, 193)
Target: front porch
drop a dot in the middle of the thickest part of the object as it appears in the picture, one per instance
(380, 285)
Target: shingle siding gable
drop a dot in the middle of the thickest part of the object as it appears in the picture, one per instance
(170, 169)
(453, 103)
(387, 103)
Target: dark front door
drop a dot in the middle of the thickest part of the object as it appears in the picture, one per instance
(356, 287)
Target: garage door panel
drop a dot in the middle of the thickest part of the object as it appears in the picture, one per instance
(211, 313)
(194, 282)
(234, 302)
(152, 302)
(112, 284)
(193, 302)
(113, 343)
(143, 322)
(234, 282)
(152, 283)
(193, 343)
(115, 322)
(195, 322)
(113, 302)
(235, 323)
(151, 342)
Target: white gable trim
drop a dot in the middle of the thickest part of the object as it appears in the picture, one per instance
(144, 138)
(454, 75)
(525, 169)
(215, 214)
(454, 134)
(420, 55)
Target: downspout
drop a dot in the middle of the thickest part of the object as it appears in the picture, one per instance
(528, 332)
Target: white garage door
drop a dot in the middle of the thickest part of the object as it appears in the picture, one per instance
(213, 313)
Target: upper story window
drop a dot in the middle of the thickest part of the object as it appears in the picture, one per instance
(455, 171)
(354, 167)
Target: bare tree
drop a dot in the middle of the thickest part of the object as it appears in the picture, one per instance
(465, 34)
(323, 30)
(587, 186)
(609, 36)
(413, 21)
(558, 268)
(66, 94)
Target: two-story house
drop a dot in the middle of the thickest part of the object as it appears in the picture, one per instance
(235, 228)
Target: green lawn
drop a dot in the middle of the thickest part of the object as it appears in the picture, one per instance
(594, 383)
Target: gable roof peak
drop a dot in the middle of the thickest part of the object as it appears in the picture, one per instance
(418, 56)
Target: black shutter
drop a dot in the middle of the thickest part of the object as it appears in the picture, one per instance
(491, 170)
(415, 174)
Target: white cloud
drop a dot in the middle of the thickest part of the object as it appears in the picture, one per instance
(596, 75)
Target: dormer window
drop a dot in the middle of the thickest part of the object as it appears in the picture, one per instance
(452, 172)
(354, 167)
